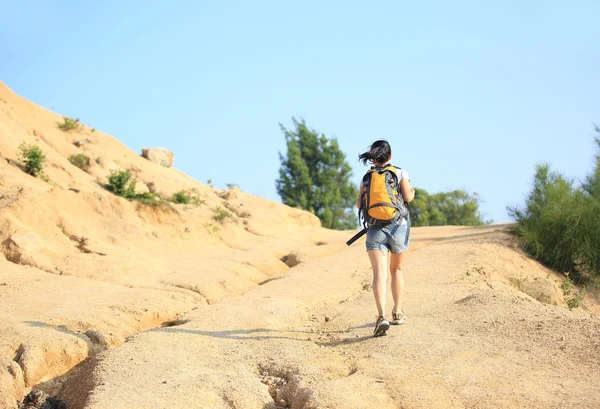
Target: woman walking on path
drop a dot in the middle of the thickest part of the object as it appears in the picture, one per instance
(392, 235)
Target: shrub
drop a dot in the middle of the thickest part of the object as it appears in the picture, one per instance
(232, 186)
(33, 157)
(220, 214)
(187, 197)
(560, 225)
(566, 286)
(81, 161)
(69, 124)
(181, 197)
(119, 183)
(575, 302)
(150, 199)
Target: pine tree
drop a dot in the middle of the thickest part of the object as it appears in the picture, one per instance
(315, 176)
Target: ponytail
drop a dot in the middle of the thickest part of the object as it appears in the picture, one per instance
(380, 152)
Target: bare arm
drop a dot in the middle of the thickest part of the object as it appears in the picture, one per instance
(360, 193)
(408, 193)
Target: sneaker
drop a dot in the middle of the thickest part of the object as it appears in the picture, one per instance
(398, 317)
(381, 326)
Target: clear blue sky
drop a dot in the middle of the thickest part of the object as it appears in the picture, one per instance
(471, 94)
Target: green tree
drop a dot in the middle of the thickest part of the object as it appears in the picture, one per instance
(560, 222)
(315, 176)
(446, 208)
(592, 181)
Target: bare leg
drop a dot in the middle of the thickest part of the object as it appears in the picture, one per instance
(396, 262)
(379, 262)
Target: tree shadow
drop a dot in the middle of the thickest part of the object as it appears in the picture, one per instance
(241, 334)
(346, 341)
(262, 334)
(60, 328)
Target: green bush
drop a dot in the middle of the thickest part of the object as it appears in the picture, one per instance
(187, 197)
(119, 183)
(181, 197)
(560, 224)
(220, 214)
(81, 161)
(150, 199)
(33, 157)
(69, 124)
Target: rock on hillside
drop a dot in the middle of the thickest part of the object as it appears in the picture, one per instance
(160, 156)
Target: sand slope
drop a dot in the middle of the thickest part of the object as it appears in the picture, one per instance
(172, 309)
(140, 266)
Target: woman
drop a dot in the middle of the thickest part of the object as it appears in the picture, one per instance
(381, 239)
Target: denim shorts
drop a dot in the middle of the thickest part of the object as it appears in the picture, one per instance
(393, 237)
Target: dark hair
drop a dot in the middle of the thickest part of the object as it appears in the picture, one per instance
(379, 152)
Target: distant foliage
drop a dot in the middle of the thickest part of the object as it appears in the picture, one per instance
(315, 176)
(33, 157)
(69, 124)
(81, 161)
(220, 214)
(181, 197)
(187, 197)
(119, 183)
(456, 208)
(560, 223)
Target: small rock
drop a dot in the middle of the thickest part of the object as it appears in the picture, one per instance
(160, 156)
(106, 163)
(231, 194)
(26, 242)
(152, 188)
(81, 143)
(140, 187)
(326, 319)
(292, 260)
(97, 338)
(37, 399)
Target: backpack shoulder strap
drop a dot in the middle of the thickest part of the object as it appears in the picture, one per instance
(392, 170)
(367, 175)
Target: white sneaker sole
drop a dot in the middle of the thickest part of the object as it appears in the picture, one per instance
(381, 329)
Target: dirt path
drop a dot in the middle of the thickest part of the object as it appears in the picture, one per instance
(471, 340)
(81, 270)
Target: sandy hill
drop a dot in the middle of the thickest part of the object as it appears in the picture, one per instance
(110, 303)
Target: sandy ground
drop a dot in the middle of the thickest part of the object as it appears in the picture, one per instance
(305, 341)
(170, 308)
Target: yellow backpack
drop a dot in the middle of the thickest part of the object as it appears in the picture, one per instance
(381, 203)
